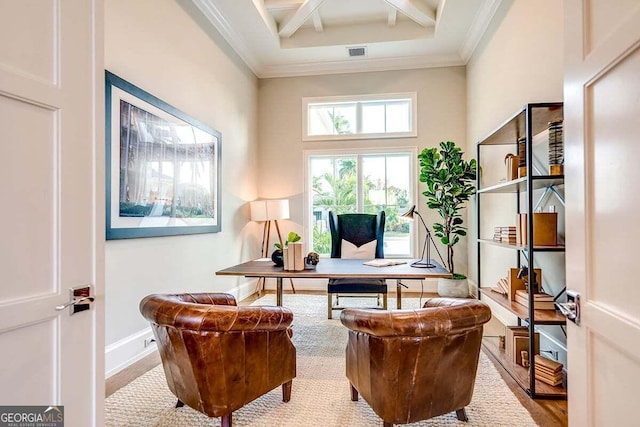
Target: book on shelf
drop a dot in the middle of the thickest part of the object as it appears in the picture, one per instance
(384, 262)
(541, 301)
(502, 287)
(505, 234)
(551, 379)
(546, 364)
(546, 371)
(508, 235)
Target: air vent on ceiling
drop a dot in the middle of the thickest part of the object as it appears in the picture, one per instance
(357, 51)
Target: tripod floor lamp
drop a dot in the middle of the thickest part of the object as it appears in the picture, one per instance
(267, 211)
(428, 240)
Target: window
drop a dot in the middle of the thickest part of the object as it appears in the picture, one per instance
(356, 117)
(360, 182)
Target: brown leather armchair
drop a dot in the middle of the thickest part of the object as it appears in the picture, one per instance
(217, 357)
(411, 365)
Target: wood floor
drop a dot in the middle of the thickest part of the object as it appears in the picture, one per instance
(546, 413)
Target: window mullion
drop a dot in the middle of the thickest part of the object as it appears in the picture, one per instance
(359, 185)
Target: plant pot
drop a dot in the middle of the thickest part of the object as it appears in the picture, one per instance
(277, 259)
(453, 288)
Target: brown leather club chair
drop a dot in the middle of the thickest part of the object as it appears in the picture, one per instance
(217, 357)
(411, 365)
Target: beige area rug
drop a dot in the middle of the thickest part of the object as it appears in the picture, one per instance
(320, 394)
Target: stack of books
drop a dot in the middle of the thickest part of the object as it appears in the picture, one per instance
(505, 234)
(541, 301)
(548, 371)
(508, 235)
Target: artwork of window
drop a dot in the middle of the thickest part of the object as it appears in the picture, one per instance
(163, 170)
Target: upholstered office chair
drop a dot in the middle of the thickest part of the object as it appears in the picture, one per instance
(411, 365)
(356, 236)
(217, 357)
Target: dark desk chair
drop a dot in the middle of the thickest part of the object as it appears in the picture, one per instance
(411, 365)
(355, 234)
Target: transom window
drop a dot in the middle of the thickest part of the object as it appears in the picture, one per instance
(363, 116)
(360, 182)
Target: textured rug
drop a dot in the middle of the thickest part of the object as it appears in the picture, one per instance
(320, 395)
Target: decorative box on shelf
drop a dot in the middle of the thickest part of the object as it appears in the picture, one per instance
(516, 283)
(545, 229)
(517, 341)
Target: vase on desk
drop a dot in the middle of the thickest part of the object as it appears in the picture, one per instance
(277, 259)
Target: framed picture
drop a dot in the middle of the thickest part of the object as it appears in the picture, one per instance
(163, 167)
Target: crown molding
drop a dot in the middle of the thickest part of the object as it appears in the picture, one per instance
(478, 28)
(359, 66)
(211, 12)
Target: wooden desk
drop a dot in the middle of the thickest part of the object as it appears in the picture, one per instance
(336, 268)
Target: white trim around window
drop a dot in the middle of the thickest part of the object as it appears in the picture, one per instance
(356, 104)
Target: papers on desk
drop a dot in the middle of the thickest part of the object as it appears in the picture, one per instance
(384, 262)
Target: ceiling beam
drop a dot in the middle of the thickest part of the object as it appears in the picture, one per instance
(415, 11)
(393, 15)
(291, 24)
(267, 18)
(282, 4)
(317, 21)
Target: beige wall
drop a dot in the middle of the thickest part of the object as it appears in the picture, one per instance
(156, 45)
(441, 116)
(519, 61)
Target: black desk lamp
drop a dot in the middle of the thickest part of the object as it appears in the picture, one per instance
(423, 262)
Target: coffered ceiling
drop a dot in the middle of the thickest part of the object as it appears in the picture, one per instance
(305, 37)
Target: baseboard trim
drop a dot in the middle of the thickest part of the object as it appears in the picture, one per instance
(125, 352)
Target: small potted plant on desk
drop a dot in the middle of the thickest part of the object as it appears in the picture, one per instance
(276, 256)
(450, 181)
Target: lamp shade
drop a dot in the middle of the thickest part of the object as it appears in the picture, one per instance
(267, 210)
(409, 214)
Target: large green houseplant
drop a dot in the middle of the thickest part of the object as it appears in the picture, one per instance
(450, 181)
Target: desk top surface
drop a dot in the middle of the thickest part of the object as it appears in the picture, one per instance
(333, 268)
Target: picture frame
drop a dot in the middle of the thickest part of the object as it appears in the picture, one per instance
(163, 167)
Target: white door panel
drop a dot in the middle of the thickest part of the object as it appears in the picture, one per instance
(29, 198)
(29, 33)
(51, 80)
(602, 93)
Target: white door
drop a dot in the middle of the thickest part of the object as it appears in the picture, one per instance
(51, 205)
(602, 137)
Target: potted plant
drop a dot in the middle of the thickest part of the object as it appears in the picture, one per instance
(276, 256)
(450, 181)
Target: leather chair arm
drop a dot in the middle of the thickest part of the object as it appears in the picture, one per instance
(440, 316)
(206, 316)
